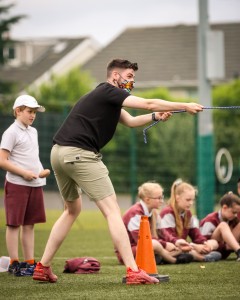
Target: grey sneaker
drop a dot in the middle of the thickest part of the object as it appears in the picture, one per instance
(212, 256)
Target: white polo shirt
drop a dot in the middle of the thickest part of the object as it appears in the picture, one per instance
(22, 143)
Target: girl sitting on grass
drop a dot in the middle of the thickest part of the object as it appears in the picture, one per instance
(178, 224)
(151, 198)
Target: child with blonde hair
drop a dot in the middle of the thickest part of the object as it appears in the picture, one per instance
(178, 224)
(151, 198)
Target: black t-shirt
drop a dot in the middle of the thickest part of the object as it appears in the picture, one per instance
(93, 120)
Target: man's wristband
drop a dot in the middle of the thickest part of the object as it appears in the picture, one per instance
(154, 117)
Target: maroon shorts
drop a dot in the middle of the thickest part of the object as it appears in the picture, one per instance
(223, 250)
(24, 205)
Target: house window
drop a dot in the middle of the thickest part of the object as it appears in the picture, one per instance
(11, 53)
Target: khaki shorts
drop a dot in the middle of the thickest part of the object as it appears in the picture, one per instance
(78, 170)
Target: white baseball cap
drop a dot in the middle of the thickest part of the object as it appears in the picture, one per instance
(28, 101)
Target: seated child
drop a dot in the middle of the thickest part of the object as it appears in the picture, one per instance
(151, 198)
(178, 224)
(224, 226)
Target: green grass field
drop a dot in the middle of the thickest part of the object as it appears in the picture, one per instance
(89, 237)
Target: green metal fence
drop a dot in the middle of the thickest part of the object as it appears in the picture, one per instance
(169, 154)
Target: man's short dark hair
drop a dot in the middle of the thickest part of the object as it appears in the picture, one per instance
(238, 180)
(121, 64)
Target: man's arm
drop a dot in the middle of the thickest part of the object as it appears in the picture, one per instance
(160, 105)
(131, 121)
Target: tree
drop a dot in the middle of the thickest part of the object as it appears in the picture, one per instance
(227, 122)
(6, 88)
(5, 26)
(226, 128)
(61, 92)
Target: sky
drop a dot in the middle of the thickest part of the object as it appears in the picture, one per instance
(104, 20)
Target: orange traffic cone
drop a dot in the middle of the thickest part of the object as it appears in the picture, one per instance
(145, 258)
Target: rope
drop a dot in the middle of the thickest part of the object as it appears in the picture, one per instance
(181, 111)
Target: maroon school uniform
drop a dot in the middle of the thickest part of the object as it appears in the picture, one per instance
(168, 227)
(210, 223)
(132, 219)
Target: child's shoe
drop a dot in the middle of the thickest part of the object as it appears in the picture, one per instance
(29, 270)
(212, 256)
(21, 267)
(42, 273)
(13, 267)
(184, 258)
(159, 259)
(25, 269)
(139, 277)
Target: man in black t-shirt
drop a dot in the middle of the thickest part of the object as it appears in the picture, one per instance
(77, 164)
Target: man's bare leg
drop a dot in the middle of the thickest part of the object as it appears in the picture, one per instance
(60, 229)
(111, 211)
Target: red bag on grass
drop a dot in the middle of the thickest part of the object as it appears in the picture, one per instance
(82, 265)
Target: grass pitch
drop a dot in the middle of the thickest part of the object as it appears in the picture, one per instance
(89, 237)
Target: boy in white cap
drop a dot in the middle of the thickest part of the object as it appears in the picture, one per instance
(23, 200)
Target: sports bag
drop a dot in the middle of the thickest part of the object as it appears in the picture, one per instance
(82, 265)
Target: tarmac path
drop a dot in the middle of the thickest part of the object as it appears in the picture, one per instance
(53, 200)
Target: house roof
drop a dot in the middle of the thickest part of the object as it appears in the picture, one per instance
(26, 74)
(166, 56)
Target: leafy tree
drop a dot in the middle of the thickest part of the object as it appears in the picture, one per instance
(226, 127)
(6, 88)
(9, 91)
(5, 26)
(227, 122)
(61, 92)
